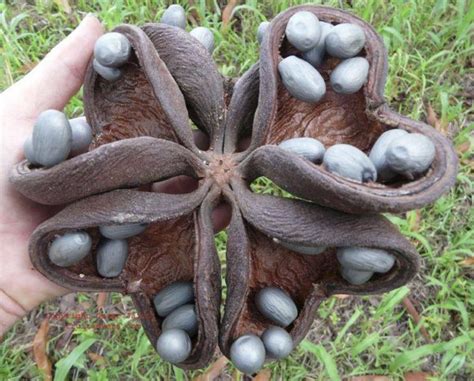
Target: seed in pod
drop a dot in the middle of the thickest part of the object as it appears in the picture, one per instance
(350, 162)
(184, 318)
(276, 305)
(110, 74)
(345, 40)
(315, 55)
(303, 30)
(52, 138)
(173, 296)
(350, 75)
(111, 257)
(205, 37)
(248, 353)
(112, 49)
(175, 16)
(278, 343)
(301, 79)
(81, 136)
(308, 148)
(28, 150)
(122, 231)
(410, 154)
(302, 249)
(70, 248)
(378, 153)
(355, 277)
(174, 346)
(365, 259)
(262, 28)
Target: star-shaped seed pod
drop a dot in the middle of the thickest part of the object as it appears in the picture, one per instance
(284, 255)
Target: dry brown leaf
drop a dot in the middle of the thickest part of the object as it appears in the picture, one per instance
(434, 121)
(407, 303)
(416, 376)
(370, 377)
(263, 375)
(39, 350)
(95, 357)
(227, 12)
(341, 296)
(464, 147)
(64, 6)
(101, 299)
(468, 261)
(214, 371)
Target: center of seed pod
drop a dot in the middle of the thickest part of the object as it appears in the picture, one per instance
(221, 168)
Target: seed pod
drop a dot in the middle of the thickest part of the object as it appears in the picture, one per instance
(28, 150)
(410, 155)
(350, 75)
(315, 55)
(350, 162)
(51, 138)
(111, 257)
(174, 346)
(355, 277)
(306, 250)
(303, 31)
(365, 259)
(205, 37)
(276, 305)
(122, 231)
(70, 248)
(112, 50)
(278, 343)
(172, 297)
(81, 136)
(301, 79)
(248, 354)
(184, 318)
(175, 16)
(262, 28)
(345, 40)
(110, 74)
(309, 148)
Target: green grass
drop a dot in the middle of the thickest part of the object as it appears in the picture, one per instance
(430, 56)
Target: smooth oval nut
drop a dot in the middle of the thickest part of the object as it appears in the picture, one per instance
(355, 277)
(345, 40)
(365, 259)
(173, 296)
(174, 15)
(110, 74)
(52, 138)
(81, 136)
(276, 305)
(248, 354)
(70, 248)
(410, 155)
(184, 318)
(302, 249)
(349, 162)
(316, 54)
(308, 148)
(350, 75)
(303, 30)
(301, 79)
(205, 37)
(111, 257)
(28, 150)
(278, 342)
(122, 231)
(112, 50)
(262, 28)
(174, 346)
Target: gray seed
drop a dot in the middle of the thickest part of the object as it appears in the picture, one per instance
(81, 136)
(174, 346)
(306, 250)
(303, 31)
(350, 162)
(315, 55)
(365, 259)
(52, 138)
(111, 257)
(276, 305)
(112, 50)
(278, 343)
(301, 79)
(175, 16)
(350, 75)
(70, 248)
(110, 74)
(356, 277)
(28, 150)
(248, 354)
(262, 28)
(378, 153)
(308, 148)
(184, 318)
(345, 40)
(122, 231)
(410, 155)
(205, 37)
(172, 297)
